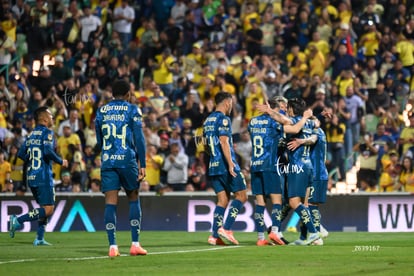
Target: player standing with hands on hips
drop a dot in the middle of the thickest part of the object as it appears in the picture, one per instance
(38, 153)
(119, 134)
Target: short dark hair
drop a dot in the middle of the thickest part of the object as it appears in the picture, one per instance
(221, 96)
(120, 88)
(38, 112)
(298, 106)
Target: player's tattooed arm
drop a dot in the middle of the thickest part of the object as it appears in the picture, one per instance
(280, 117)
(295, 143)
(265, 108)
(296, 128)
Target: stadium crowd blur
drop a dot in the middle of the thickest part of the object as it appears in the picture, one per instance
(350, 57)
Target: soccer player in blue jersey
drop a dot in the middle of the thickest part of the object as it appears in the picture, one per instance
(266, 180)
(317, 193)
(224, 173)
(38, 153)
(300, 169)
(119, 134)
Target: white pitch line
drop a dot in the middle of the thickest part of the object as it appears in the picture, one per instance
(122, 255)
(194, 250)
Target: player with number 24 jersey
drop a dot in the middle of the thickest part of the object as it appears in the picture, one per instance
(119, 135)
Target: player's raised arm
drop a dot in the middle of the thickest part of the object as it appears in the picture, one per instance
(265, 108)
(293, 129)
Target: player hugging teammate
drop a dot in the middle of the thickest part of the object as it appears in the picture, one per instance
(304, 170)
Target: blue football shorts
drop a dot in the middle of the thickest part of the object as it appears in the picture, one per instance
(298, 182)
(44, 194)
(266, 183)
(318, 191)
(114, 179)
(228, 183)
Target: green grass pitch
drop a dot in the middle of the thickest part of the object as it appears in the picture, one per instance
(181, 253)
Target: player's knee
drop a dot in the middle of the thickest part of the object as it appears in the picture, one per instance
(49, 211)
(294, 203)
(241, 196)
(222, 202)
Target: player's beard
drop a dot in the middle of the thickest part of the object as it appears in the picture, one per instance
(229, 108)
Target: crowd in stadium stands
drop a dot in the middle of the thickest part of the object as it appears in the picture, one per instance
(350, 57)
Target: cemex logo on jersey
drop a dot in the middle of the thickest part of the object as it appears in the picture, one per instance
(288, 168)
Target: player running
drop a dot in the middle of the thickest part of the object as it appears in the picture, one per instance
(38, 153)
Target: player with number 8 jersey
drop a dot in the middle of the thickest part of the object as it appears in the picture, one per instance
(266, 135)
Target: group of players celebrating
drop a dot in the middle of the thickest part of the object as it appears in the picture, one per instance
(287, 166)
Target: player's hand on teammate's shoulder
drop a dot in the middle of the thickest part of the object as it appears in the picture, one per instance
(293, 144)
(265, 108)
(65, 163)
(308, 113)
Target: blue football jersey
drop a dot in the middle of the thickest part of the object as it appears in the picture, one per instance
(301, 156)
(265, 134)
(217, 124)
(38, 153)
(119, 134)
(318, 157)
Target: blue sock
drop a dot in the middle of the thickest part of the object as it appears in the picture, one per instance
(276, 216)
(110, 223)
(234, 210)
(303, 232)
(305, 217)
(285, 211)
(316, 216)
(218, 219)
(35, 214)
(135, 219)
(259, 218)
(41, 229)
